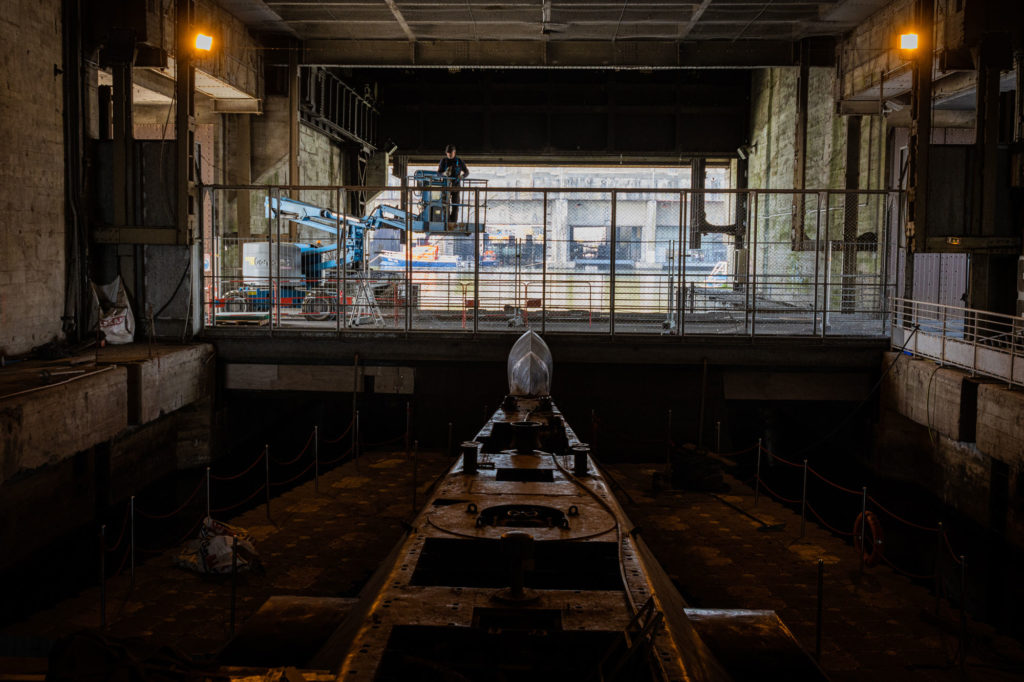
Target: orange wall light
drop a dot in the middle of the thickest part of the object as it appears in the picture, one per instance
(908, 41)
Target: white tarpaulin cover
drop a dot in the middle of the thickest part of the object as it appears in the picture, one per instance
(529, 366)
(115, 313)
(211, 551)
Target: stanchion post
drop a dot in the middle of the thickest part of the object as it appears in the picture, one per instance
(207, 492)
(803, 504)
(757, 476)
(234, 581)
(358, 436)
(718, 435)
(408, 428)
(935, 568)
(593, 430)
(103, 576)
(414, 476)
(448, 452)
(863, 525)
(668, 440)
(821, 607)
(266, 478)
(131, 539)
(963, 616)
(316, 458)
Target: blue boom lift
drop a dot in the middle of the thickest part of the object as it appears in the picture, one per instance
(301, 271)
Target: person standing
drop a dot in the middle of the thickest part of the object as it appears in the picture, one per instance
(453, 167)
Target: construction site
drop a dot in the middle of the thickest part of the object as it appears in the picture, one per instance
(666, 340)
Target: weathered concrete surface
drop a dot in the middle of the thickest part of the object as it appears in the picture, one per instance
(930, 395)
(324, 544)
(960, 438)
(161, 378)
(336, 378)
(328, 544)
(31, 177)
(51, 423)
(1001, 424)
(872, 626)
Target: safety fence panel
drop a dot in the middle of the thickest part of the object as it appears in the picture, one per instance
(606, 261)
(577, 262)
(786, 263)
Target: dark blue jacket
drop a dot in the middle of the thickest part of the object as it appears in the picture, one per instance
(452, 167)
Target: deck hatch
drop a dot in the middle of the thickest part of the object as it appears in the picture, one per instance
(454, 562)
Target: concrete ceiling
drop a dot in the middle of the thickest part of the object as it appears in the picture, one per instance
(495, 30)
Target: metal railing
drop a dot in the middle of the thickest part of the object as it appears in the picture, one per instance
(587, 260)
(979, 341)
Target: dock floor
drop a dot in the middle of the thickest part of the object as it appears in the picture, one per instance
(876, 624)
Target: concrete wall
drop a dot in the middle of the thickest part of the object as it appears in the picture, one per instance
(31, 176)
(961, 438)
(321, 162)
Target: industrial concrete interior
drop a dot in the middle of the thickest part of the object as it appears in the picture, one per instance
(742, 280)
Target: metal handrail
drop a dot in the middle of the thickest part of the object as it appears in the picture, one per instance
(772, 289)
(980, 341)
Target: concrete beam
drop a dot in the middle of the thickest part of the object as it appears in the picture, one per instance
(1001, 423)
(556, 54)
(162, 379)
(46, 425)
(414, 349)
(815, 386)
(319, 378)
(944, 400)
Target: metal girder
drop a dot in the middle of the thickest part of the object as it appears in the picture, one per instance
(965, 244)
(564, 54)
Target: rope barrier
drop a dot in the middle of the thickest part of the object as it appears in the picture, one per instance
(239, 504)
(191, 532)
(296, 477)
(949, 546)
(900, 518)
(298, 456)
(199, 486)
(775, 494)
(858, 493)
(243, 473)
(916, 576)
(737, 452)
(124, 560)
(325, 462)
(124, 527)
(826, 524)
(343, 433)
(780, 459)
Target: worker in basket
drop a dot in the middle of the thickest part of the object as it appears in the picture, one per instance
(453, 167)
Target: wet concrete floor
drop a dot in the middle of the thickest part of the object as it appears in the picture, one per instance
(877, 624)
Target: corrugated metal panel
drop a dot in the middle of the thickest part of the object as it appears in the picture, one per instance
(940, 278)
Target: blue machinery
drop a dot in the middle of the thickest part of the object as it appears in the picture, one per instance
(300, 268)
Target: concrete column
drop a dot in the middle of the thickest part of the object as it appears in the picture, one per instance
(293, 128)
(920, 139)
(800, 143)
(649, 232)
(239, 168)
(558, 230)
(850, 214)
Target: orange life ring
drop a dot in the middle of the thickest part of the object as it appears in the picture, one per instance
(874, 538)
